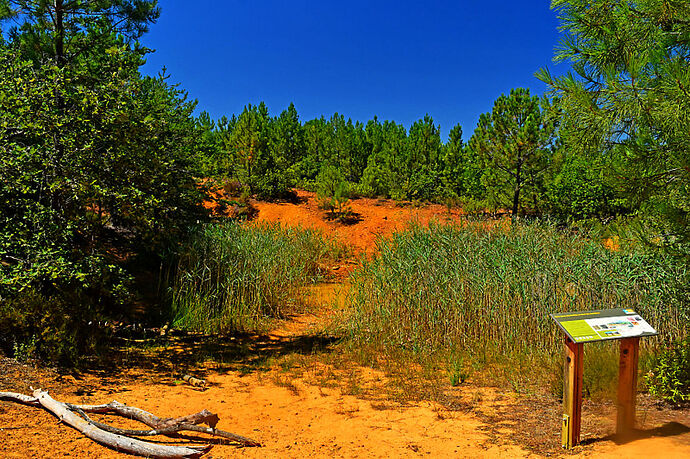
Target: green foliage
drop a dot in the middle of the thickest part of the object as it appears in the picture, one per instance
(420, 174)
(287, 142)
(46, 328)
(457, 372)
(63, 31)
(515, 141)
(270, 155)
(235, 277)
(315, 138)
(94, 171)
(383, 174)
(628, 98)
(670, 374)
(331, 191)
(582, 190)
(462, 168)
(261, 161)
(210, 158)
(95, 168)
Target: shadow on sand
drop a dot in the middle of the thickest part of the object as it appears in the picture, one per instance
(200, 353)
(669, 429)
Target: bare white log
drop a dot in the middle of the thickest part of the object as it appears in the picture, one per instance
(163, 426)
(19, 398)
(117, 442)
(158, 426)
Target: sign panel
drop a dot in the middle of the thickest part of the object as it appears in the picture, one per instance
(588, 326)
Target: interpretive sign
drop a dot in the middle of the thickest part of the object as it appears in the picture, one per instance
(588, 326)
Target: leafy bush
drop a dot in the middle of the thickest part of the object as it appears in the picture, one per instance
(581, 191)
(376, 178)
(94, 169)
(275, 182)
(423, 184)
(670, 374)
(34, 326)
(235, 277)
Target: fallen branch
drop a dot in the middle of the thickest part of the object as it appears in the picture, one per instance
(117, 442)
(163, 426)
(19, 398)
(159, 426)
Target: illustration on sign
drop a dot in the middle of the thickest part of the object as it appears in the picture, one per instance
(586, 326)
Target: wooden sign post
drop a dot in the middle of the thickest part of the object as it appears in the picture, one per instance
(627, 385)
(589, 326)
(572, 393)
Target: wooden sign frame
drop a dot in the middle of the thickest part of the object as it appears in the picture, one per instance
(591, 326)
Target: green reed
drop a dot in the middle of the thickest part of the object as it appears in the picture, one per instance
(489, 292)
(238, 277)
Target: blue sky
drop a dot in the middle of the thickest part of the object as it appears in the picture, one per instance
(395, 59)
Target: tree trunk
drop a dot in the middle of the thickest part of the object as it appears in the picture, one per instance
(59, 33)
(516, 192)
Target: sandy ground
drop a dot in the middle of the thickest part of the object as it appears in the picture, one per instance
(293, 419)
(377, 218)
(294, 416)
(303, 422)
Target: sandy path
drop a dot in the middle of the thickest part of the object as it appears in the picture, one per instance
(289, 417)
(315, 422)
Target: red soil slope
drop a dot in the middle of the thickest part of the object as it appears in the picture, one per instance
(376, 218)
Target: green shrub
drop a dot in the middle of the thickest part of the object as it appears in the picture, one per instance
(581, 190)
(236, 277)
(376, 179)
(95, 170)
(331, 192)
(47, 328)
(457, 372)
(670, 374)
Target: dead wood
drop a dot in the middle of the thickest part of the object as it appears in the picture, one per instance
(202, 417)
(158, 426)
(151, 420)
(115, 441)
(196, 382)
(19, 398)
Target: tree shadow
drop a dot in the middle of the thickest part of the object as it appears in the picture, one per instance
(197, 439)
(185, 353)
(346, 217)
(669, 429)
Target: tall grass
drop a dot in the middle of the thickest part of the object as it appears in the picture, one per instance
(237, 277)
(476, 290)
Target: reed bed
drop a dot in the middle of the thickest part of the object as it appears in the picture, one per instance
(468, 289)
(237, 277)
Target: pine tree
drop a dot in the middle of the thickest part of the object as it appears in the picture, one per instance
(462, 168)
(249, 143)
(514, 141)
(288, 136)
(64, 29)
(423, 154)
(629, 99)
